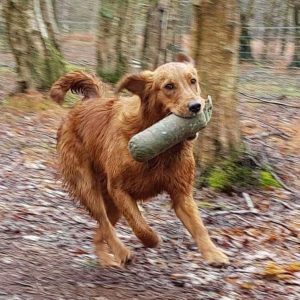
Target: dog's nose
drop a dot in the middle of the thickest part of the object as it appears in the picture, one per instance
(194, 106)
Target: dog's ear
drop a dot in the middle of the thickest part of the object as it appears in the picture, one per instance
(134, 83)
(184, 58)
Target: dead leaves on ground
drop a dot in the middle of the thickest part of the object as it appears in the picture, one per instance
(274, 271)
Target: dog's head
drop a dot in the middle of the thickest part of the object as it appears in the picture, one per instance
(171, 88)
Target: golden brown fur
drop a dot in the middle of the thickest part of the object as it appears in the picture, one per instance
(98, 170)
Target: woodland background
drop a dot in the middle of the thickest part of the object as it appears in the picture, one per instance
(247, 54)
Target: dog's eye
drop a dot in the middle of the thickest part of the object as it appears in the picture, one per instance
(170, 86)
(193, 81)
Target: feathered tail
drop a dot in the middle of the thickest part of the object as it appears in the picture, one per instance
(79, 83)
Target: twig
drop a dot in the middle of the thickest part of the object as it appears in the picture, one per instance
(249, 202)
(265, 123)
(283, 203)
(281, 182)
(275, 175)
(259, 141)
(270, 101)
(235, 212)
(267, 134)
(294, 232)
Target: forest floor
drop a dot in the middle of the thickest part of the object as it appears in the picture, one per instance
(46, 249)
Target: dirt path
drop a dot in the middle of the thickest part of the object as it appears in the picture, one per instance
(46, 250)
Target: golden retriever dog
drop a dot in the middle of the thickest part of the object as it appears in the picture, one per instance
(98, 170)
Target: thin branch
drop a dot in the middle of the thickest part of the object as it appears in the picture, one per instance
(270, 169)
(294, 232)
(234, 212)
(281, 182)
(270, 101)
(265, 123)
(267, 134)
(283, 203)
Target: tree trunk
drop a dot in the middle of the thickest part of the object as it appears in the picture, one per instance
(47, 10)
(152, 36)
(116, 38)
(39, 62)
(246, 14)
(163, 33)
(216, 41)
(296, 61)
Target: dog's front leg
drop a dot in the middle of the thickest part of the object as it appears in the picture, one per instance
(187, 211)
(132, 214)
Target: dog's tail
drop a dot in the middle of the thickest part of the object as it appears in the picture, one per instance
(79, 83)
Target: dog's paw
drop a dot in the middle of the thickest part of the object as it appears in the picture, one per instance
(216, 257)
(108, 263)
(124, 256)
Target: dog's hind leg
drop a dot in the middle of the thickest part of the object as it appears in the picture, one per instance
(133, 216)
(83, 183)
(102, 248)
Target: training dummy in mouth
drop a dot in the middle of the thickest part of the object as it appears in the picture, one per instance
(166, 133)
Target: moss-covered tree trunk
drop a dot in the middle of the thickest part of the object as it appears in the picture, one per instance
(47, 10)
(152, 36)
(163, 32)
(116, 38)
(216, 39)
(39, 61)
(296, 60)
(245, 38)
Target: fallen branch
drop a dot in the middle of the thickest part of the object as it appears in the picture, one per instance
(270, 101)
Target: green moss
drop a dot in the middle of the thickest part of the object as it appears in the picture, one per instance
(218, 178)
(236, 174)
(266, 179)
(46, 68)
(113, 76)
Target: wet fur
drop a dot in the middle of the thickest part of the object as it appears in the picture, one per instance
(96, 166)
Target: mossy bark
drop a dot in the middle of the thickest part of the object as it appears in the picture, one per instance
(163, 33)
(216, 49)
(116, 38)
(296, 60)
(39, 62)
(246, 14)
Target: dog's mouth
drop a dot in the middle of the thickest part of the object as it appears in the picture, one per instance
(188, 115)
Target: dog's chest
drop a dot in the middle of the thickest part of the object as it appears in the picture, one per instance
(146, 180)
(146, 183)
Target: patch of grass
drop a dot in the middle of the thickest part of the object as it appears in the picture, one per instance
(24, 102)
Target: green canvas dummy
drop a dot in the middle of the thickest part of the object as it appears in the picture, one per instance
(166, 133)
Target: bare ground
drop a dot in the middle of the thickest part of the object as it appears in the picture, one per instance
(46, 249)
